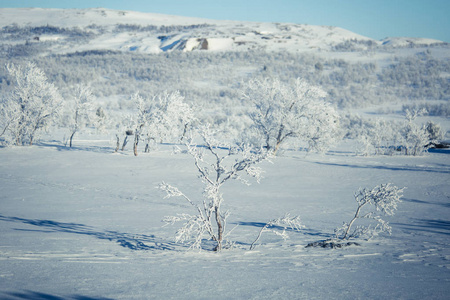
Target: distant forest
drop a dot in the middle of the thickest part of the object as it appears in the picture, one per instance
(211, 78)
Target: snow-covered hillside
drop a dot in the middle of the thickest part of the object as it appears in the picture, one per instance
(154, 33)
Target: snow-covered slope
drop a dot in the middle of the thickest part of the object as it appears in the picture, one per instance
(153, 33)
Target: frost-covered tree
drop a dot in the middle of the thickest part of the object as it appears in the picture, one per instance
(371, 203)
(80, 112)
(164, 116)
(294, 111)
(176, 116)
(31, 107)
(141, 119)
(378, 137)
(217, 164)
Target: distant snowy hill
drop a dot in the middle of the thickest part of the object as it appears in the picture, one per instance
(72, 30)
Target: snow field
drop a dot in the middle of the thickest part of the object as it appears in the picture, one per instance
(79, 222)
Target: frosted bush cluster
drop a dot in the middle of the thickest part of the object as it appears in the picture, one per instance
(384, 137)
(164, 117)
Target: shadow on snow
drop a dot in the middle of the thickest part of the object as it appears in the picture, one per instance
(426, 225)
(60, 147)
(425, 202)
(305, 231)
(130, 241)
(444, 169)
(42, 296)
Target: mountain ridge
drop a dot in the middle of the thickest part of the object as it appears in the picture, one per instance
(121, 30)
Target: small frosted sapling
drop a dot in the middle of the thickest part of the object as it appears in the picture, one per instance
(274, 226)
(217, 164)
(382, 199)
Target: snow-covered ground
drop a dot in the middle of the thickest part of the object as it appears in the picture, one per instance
(85, 223)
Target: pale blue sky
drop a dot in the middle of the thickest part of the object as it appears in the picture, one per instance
(373, 18)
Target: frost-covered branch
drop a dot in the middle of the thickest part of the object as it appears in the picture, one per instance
(286, 222)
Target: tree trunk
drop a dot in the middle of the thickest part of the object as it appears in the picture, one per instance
(184, 132)
(277, 146)
(219, 230)
(70, 140)
(125, 141)
(353, 220)
(136, 142)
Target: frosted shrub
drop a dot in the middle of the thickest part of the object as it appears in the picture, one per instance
(381, 137)
(216, 164)
(378, 137)
(31, 107)
(415, 138)
(371, 205)
(283, 112)
(434, 131)
(433, 109)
